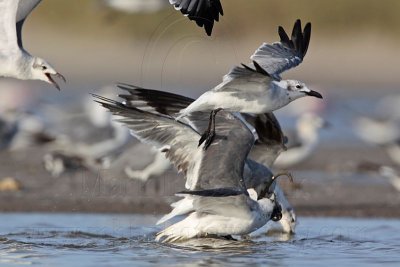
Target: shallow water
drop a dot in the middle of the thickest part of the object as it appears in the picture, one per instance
(128, 240)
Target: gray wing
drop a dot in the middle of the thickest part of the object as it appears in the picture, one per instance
(271, 141)
(223, 162)
(204, 12)
(8, 37)
(176, 139)
(288, 53)
(245, 79)
(25, 7)
(220, 166)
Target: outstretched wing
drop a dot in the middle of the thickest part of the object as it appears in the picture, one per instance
(8, 37)
(25, 7)
(204, 12)
(220, 166)
(288, 53)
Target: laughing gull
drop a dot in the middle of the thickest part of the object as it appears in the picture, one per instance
(15, 61)
(217, 200)
(303, 142)
(268, 146)
(260, 89)
(203, 12)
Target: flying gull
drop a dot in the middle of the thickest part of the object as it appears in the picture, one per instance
(221, 205)
(203, 12)
(260, 89)
(15, 61)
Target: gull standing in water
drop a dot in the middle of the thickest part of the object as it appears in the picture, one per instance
(218, 202)
(268, 146)
(15, 61)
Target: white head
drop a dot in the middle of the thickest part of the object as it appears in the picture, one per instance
(296, 89)
(41, 70)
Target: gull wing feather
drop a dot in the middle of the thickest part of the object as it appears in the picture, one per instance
(8, 37)
(203, 12)
(288, 53)
(25, 7)
(271, 140)
(244, 79)
(220, 166)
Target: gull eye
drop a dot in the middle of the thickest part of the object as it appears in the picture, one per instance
(44, 68)
(298, 86)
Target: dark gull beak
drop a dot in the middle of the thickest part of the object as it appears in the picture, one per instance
(313, 93)
(51, 80)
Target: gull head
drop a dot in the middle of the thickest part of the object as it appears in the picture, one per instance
(41, 70)
(296, 89)
(270, 207)
(288, 220)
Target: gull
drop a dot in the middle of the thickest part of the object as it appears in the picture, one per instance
(203, 12)
(260, 89)
(303, 142)
(15, 61)
(67, 154)
(380, 132)
(216, 178)
(268, 146)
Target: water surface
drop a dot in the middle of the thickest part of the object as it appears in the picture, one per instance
(128, 240)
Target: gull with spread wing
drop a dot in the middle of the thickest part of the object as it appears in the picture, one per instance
(15, 61)
(217, 201)
(268, 146)
(258, 89)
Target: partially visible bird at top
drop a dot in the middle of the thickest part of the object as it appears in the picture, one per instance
(15, 61)
(203, 12)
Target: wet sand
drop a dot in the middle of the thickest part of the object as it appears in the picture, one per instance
(326, 185)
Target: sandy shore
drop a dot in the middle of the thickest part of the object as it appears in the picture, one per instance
(324, 187)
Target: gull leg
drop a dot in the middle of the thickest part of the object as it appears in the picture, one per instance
(209, 133)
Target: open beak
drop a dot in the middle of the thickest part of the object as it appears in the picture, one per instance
(276, 213)
(313, 93)
(51, 80)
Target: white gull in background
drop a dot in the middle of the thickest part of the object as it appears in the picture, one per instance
(68, 154)
(267, 147)
(15, 61)
(218, 202)
(302, 142)
(383, 130)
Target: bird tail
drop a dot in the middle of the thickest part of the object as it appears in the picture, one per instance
(179, 231)
(181, 207)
